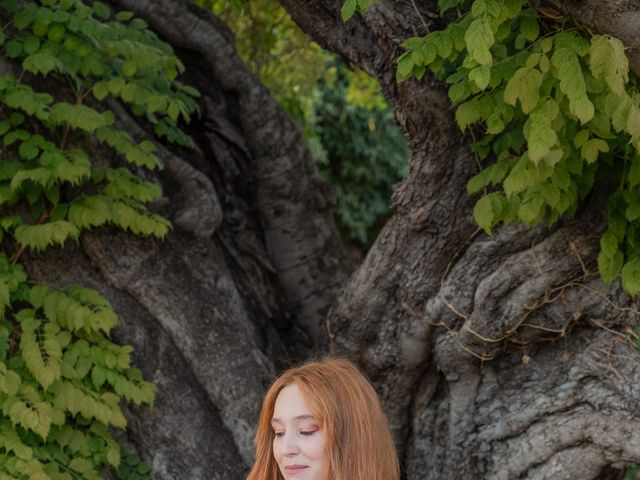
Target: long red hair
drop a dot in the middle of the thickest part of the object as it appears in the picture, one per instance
(359, 443)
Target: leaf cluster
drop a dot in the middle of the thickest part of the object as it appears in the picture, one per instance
(120, 58)
(116, 56)
(62, 379)
(360, 151)
(132, 467)
(274, 49)
(559, 111)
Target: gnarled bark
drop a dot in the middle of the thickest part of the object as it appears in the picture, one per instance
(502, 357)
(496, 357)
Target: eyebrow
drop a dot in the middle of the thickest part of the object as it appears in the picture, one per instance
(299, 417)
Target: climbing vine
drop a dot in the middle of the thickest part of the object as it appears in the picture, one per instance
(62, 379)
(558, 110)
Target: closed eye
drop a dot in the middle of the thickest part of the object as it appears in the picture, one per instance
(279, 434)
(307, 433)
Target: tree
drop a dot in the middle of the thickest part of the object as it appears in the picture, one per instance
(497, 356)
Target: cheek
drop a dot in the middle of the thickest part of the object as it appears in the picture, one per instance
(276, 450)
(317, 447)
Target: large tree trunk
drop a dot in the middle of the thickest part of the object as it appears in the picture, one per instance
(496, 357)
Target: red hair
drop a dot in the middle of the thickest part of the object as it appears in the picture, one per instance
(359, 443)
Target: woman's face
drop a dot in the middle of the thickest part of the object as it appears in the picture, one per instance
(299, 445)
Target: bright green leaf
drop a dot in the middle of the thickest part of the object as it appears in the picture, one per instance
(481, 76)
(608, 62)
(478, 39)
(591, 149)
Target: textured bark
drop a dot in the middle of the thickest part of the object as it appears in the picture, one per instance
(502, 357)
(497, 357)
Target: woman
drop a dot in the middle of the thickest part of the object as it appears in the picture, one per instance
(323, 421)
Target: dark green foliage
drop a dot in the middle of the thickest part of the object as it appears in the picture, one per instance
(132, 468)
(341, 126)
(632, 474)
(360, 151)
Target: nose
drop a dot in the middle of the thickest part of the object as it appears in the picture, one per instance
(290, 445)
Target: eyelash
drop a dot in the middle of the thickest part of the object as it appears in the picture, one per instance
(305, 433)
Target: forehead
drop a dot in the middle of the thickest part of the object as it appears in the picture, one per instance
(291, 405)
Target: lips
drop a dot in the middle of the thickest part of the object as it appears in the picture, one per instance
(292, 469)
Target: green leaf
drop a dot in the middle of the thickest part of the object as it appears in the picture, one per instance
(56, 33)
(592, 148)
(28, 150)
(173, 111)
(9, 381)
(77, 116)
(551, 194)
(31, 45)
(40, 176)
(524, 86)
(24, 17)
(124, 16)
(633, 121)
(90, 212)
(100, 90)
(13, 48)
(530, 210)
(610, 258)
(467, 114)
(116, 84)
(541, 136)
(488, 211)
(478, 182)
(129, 68)
(568, 71)
(348, 9)
(101, 10)
(478, 39)
(554, 156)
(495, 124)
(405, 66)
(440, 42)
(39, 237)
(632, 212)
(98, 376)
(479, 8)
(631, 276)
(580, 138)
(520, 177)
(529, 27)
(481, 76)
(608, 62)
(37, 294)
(40, 29)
